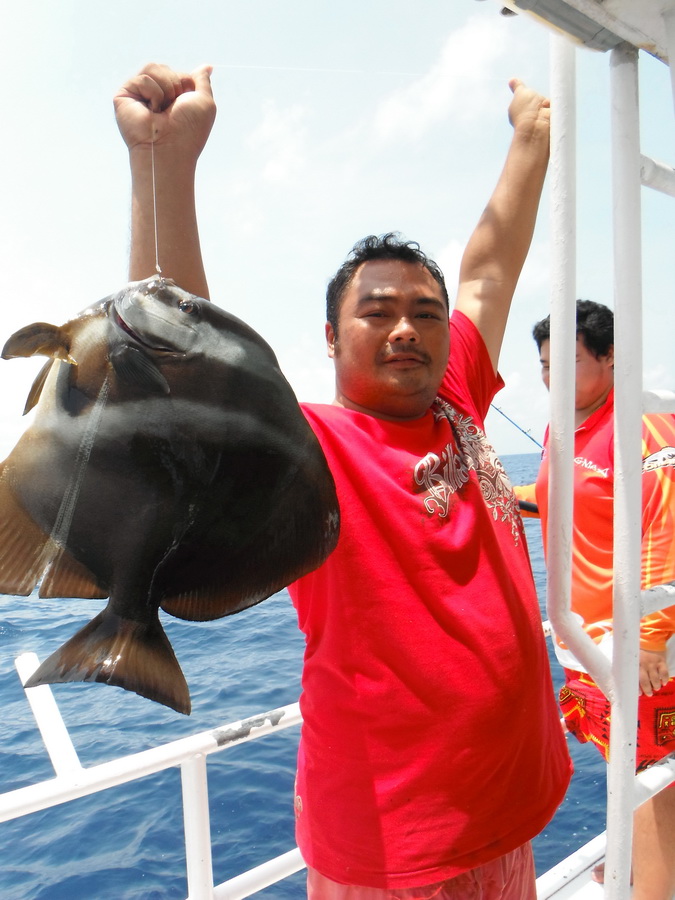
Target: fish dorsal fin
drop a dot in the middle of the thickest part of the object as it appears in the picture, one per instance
(66, 577)
(137, 369)
(39, 339)
(36, 387)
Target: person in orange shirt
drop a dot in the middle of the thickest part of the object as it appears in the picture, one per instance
(585, 708)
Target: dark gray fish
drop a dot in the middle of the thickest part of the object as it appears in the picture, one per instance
(168, 465)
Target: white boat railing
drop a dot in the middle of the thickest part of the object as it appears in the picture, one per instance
(630, 171)
(72, 780)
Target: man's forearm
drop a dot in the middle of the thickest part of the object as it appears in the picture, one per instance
(499, 245)
(177, 245)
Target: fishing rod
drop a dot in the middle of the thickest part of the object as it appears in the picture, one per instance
(526, 433)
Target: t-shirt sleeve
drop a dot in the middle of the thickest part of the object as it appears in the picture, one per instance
(526, 495)
(658, 524)
(469, 370)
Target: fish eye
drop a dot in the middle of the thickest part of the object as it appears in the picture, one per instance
(188, 306)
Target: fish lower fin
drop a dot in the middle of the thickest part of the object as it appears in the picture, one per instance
(66, 577)
(132, 655)
(25, 549)
(28, 554)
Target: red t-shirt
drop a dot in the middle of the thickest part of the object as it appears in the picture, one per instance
(431, 742)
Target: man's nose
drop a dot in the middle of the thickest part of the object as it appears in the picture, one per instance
(404, 330)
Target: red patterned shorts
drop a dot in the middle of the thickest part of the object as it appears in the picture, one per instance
(587, 715)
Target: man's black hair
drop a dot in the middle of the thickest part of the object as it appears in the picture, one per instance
(595, 326)
(384, 246)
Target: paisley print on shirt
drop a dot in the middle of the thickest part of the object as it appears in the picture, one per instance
(445, 475)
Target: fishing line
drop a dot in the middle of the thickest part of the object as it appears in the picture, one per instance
(154, 201)
(526, 433)
(323, 71)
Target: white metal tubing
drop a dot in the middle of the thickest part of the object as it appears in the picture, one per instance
(654, 779)
(559, 882)
(627, 464)
(658, 402)
(552, 884)
(562, 350)
(48, 717)
(657, 175)
(562, 175)
(612, 20)
(197, 828)
(656, 598)
(260, 877)
(669, 25)
(127, 768)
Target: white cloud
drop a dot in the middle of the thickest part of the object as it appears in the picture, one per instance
(308, 369)
(460, 84)
(658, 378)
(281, 137)
(535, 279)
(449, 258)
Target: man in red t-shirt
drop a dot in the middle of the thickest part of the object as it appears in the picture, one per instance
(431, 751)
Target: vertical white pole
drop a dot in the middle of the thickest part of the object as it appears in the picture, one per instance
(563, 356)
(562, 174)
(197, 829)
(669, 24)
(627, 464)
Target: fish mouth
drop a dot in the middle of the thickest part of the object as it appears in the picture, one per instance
(128, 330)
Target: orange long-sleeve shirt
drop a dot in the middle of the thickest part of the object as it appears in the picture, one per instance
(592, 540)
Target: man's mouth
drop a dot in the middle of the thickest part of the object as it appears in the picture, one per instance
(407, 357)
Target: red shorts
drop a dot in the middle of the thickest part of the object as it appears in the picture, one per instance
(511, 877)
(587, 715)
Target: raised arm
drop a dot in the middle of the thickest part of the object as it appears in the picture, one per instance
(175, 112)
(497, 249)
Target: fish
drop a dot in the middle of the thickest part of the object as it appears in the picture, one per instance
(168, 466)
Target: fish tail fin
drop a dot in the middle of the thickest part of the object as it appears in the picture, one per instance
(132, 655)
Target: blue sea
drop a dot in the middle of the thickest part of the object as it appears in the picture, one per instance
(127, 842)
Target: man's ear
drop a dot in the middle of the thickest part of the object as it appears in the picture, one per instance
(330, 340)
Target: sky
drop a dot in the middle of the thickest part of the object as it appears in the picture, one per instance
(335, 120)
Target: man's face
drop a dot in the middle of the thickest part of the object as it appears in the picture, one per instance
(594, 377)
(393, 340)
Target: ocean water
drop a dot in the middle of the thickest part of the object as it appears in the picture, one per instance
(127, 842)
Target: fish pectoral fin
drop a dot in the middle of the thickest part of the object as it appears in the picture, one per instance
(39, 339)
(136, 368)
(25, 550)
(66, 577)
(136, 656)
